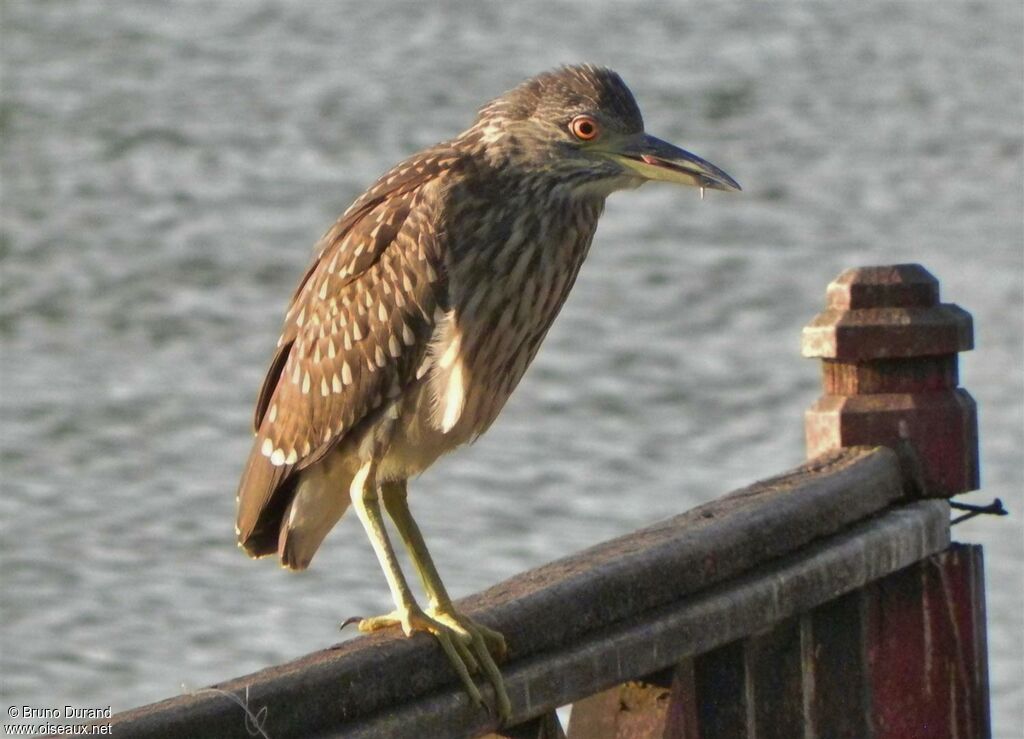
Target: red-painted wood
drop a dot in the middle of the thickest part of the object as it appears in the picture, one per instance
(926, 649)
(835, 692)
(889, 351)
(903, 657)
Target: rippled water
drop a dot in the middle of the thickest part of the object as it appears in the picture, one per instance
(167, 166)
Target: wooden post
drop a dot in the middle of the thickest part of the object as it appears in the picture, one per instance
(904, 655)
(927, 660)
(889, 370)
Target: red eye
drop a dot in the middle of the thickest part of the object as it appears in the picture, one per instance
(584, 128)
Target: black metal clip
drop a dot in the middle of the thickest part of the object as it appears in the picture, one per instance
(995, 508)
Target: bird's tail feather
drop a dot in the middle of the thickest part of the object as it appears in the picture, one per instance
(320, 500)
(263, 495)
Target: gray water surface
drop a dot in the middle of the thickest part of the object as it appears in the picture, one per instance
(166, 168)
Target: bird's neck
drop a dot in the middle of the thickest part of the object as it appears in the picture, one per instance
(510, 268)
(518, 228)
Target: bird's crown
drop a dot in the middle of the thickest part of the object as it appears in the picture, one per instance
(562, 93)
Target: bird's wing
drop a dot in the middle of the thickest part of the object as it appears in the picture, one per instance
(355, 333)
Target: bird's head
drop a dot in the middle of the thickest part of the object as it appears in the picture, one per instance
(580, 125)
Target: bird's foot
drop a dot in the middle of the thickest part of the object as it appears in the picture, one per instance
(469, 646)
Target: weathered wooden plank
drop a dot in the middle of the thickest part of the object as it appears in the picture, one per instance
(682, 720)
(836, 692)
(774, 682)
(720, 677)
(696, 625)
(926, 649)
(904, 656)
(707, 544)
(550, 607)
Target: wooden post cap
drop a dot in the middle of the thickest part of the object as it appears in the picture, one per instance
(889, 374)
(880, 312)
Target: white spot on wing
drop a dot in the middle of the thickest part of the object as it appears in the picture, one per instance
(425, 365)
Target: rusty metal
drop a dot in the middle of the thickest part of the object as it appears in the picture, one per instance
(638, 708)
(545, 726)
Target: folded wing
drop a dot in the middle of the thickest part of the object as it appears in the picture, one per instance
(356, 331)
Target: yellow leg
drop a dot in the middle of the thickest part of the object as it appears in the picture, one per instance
(485, 644)
(454, 641)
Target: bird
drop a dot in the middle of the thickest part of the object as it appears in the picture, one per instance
(423, 306)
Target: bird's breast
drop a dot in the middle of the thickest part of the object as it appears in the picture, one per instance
(506, 287)
(507, 282)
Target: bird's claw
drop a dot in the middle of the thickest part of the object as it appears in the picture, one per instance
(470, 647)
(349, 621)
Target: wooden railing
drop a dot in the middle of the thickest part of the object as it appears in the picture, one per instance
(825, 602)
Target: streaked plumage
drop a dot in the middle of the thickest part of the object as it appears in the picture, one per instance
(429, 298)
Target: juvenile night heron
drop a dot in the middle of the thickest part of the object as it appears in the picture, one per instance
(420, 313)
